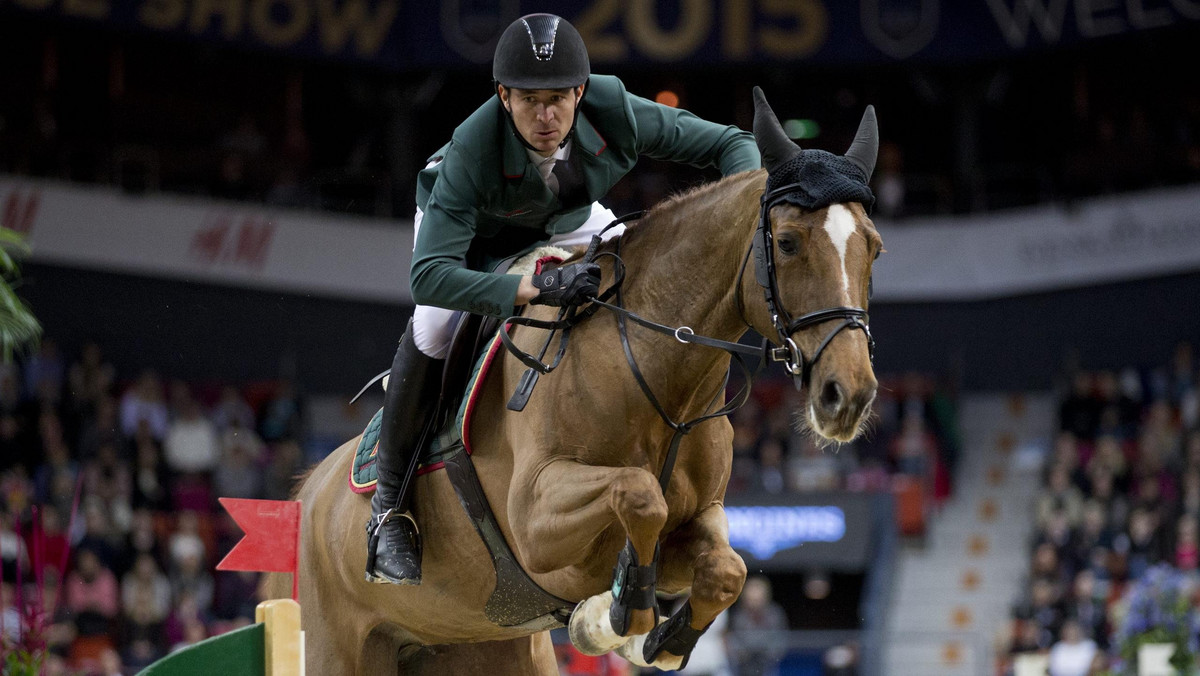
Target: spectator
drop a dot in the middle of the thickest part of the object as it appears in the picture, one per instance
(889, 181)
(1073, 654)
(758, 623)
(144, 402)
(53, 543)
(189, 578)
(13, 552)
(1087, 607)
(142, 538)
(281, 473)
(814, 469)
(10, 617)
(91, 379)
(232, 409)
(915, 448)
(771, 477)
(92, 594)
(103, 427)
(146, 598)
(1059, 496)
(1143, 545)
(1079, 413)
(100, 537)
(150, 485)
(239, 474)
(235, 594)
(45, 373)
(107, 479)
(1045, 609)
(110, 663)
(191, 444)
(281, 415)
(186, 542)
(186, 624)
(1187, 557)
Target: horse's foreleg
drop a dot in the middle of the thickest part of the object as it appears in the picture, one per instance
(697, 555)
(569, 505)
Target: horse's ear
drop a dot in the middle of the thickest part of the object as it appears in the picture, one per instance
(865, 147)
(773, 144)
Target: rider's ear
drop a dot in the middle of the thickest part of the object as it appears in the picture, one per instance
(579, 93)
(504, 94)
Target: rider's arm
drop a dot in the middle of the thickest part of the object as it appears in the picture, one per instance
(447, 228)
(666, 133)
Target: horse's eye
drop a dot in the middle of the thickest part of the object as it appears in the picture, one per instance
(788, 245)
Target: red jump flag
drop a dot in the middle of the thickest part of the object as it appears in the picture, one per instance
(272, 540)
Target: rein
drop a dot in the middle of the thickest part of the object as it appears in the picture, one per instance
(793, 358)
(684, 334)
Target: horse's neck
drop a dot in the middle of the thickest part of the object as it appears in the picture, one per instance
(682, 265)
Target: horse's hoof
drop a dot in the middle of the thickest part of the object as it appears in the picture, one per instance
(590, 630)
(632, 651)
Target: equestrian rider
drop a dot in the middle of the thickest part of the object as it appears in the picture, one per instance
(526, 168)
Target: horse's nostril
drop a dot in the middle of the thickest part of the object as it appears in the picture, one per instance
(832, 396)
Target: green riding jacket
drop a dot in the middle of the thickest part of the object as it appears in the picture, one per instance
(485, 201)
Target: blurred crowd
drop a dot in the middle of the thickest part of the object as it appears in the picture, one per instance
(912, 432)
(1120, 495)
(109, 525)
(110, 529)
(329, 136)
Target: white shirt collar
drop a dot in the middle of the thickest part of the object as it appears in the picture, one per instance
(545, 164)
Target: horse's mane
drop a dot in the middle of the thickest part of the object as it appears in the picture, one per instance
(668, 208)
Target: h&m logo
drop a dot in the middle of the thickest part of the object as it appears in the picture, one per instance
(243, 241)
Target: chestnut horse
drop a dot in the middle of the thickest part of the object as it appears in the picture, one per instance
(573, 477)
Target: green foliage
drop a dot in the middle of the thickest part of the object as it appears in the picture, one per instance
(19, 329)
(22, 663)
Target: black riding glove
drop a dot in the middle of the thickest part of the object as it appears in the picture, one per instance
(571, 284)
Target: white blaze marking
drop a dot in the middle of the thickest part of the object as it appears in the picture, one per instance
(840, 224)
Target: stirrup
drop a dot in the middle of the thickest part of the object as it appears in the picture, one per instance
(375, 528)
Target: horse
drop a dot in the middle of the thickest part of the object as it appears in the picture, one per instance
(572, 479)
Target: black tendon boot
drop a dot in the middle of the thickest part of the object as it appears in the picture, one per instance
(412, 393)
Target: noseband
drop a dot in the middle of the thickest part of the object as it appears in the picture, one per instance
(797, 365)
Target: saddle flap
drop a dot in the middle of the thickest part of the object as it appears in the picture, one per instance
(471, 336)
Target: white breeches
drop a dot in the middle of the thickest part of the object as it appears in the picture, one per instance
(433, 327)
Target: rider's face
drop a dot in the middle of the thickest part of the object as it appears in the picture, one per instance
(542, 116)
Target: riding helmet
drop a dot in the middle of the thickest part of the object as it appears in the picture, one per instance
(541, 51)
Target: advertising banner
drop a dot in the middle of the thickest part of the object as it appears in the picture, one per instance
(980, 257)
(961, 258)
(210, 241)
(792, 532)
(457, 33)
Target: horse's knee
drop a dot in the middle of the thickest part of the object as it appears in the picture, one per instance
(638, 501)
(719, 577)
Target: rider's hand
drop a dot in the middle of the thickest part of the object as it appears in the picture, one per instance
(571, 284)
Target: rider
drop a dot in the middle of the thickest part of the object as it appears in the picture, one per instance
(526, 168)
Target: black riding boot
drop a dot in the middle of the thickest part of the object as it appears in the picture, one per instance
(412, 393)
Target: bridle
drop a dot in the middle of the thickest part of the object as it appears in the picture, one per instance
(762, 246)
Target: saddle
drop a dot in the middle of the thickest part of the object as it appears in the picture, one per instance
(516, 600)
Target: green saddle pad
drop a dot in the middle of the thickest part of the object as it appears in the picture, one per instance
(364, 472)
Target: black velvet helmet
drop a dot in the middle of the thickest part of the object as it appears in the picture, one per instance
(541, 51)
